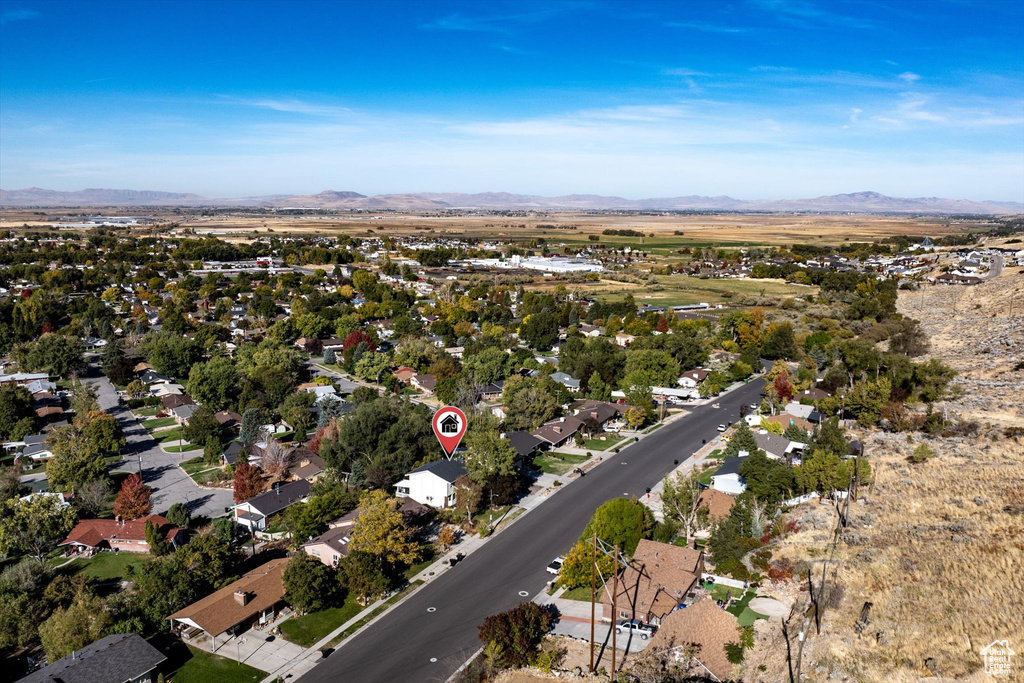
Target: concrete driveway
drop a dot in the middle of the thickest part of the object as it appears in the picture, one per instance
(159, 469)
(574, 621)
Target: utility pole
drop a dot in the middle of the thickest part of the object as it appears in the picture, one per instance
(593, 596)
(615, 608)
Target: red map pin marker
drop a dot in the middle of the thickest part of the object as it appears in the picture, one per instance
(449, 427)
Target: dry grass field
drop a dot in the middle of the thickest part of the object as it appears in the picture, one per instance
(938, 548)
(663, 233)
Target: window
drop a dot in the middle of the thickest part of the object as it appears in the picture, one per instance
(316, 552)
(623, 614)
(403, 490)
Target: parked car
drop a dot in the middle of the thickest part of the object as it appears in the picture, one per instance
(722, 428)
(754, 407)
(613, 427)
(636, 626)
(556, 565)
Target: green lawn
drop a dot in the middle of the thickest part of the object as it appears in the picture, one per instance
(158, 422)
(490, 515)
(184, 448)
(717, 454)
(148, 411)
(599, 445)
(209, 477)
(581, 593)
(557, 463)
(307, 630)
(194, 465)
(742, 612)
(205, 667)
(169, 435)
(705, 476)
(107, 566)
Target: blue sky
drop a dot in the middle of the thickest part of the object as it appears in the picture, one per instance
(750, 98)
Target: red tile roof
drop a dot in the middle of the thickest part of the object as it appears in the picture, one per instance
(92, 532)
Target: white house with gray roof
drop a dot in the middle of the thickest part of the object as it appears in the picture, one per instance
(432, 484)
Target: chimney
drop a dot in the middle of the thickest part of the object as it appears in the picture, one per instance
(241, 597)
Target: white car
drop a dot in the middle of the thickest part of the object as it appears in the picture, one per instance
(722, 428)
(556, 565)
(613, 427)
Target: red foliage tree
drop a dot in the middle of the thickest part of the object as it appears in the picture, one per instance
(133, 499)
(783, 388)
(662, 324)
(248, 482)
(355, 338)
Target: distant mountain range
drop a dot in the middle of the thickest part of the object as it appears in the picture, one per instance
(857, 202)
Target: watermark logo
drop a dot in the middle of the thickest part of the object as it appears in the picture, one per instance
(997, 658)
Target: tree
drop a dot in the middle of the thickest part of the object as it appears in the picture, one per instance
(179, 515)
(635, 417)
(249, 432)
(209, 560)
(133, 501)
(488, 454)
(766, 479)
(468, 495)
(248, 482)
(155, 539)
(76, 459)
(681, 499)
(782, 389)
(74, 627)
(621, 522)
(487, 366)
(274, 458)
(597, 390)
(448, 536)
(163, 586)
(116, 366)
(223, 528)
(202, 426)
(58, 354)
(170, 353)
(539, 331)
(34, 526)
(214, 383)
(136, 389)
(83, 399)
(309, 584)
(382, 531)
(529, 401)
(310, 519)
(576, 571)
(10, 482)
(372, 367)
(103, 432)
(660, 368)
(866, 400)
(512, 638)
(365, 576)
(329, 357)
(16, 412)
(779, 342)
(296, 411)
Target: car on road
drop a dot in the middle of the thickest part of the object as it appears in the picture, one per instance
(556, 565)
(754, 406)
(722, 428)
(636, 626)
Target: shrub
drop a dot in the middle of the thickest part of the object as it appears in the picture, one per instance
(922, 453)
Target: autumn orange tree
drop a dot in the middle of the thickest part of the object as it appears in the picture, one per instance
(133, 499)
(248, 482)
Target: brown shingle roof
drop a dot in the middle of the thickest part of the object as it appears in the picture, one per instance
(92, 532)
(785, 419)
(718, 504)
(658, 579)
(219, 611)
(706, 625)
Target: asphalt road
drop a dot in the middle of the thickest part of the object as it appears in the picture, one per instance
(159, 469)
(413, 644)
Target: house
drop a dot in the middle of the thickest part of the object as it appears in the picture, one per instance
(718, 504)
(622, 339)
(558, 431)
(233, 450)
(812, 395)
(658, 581)
(787, 420)
(120, 534)
(228, 419)
(154, 377)
(775, 447)
(305, 464)
(590, 331)
(35, 449)
(596, 414)
(323, 392)
(801, 410)
(118, 657)
(166, 389)
(404, 374)
(332, 545)
(701, 631)
(23, 378)
(492, 391)
(183, 413)
(525, 444)
(432, 484)
(252, 600)
(691, 379)
(567, 381)
(254, 513)
(425, 382)
(455, 351)
(172, 401)
(727, 479)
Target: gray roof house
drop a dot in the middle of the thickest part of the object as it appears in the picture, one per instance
(432, 484)
(254, 513)
(116, 658)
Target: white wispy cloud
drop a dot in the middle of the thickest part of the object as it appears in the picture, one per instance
(705, 27)
(10, 15)
(499, 23)
(807, 15)
(909, 77)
